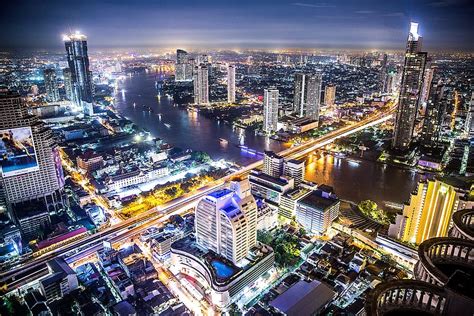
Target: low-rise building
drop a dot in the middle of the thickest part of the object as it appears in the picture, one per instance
(269, 188)
(61, 281)
(289, 200)
(317, 211)
(225, 280)
(90, 161)
(304, 298)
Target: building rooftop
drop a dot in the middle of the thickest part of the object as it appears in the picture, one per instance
(223, 269)
(268, 178)
(303, 298)
(220, 193)
(271, 154)
(316, 199)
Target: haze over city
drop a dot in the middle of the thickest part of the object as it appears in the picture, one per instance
(238, 24)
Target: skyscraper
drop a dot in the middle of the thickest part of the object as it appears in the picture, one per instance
(201, 85)
(231, 84)
(410, 90)
(52, 91)
(226, 221)
(330, 95)
(307, 95)
(425, 91)
(390, 81)
(428, 213)
(435, 109)
(78, 61)
(183, 68)
(69, 88)
(470, 118)
(35, 171)
(273, 164)
(270, 110)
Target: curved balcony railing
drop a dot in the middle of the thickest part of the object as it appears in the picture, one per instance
(447, 251)
(406, 297)
(463, 224)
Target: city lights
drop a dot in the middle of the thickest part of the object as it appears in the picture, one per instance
(333, 175)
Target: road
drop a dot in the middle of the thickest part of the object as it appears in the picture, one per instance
(25, 273)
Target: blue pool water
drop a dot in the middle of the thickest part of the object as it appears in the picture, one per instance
(222, 270)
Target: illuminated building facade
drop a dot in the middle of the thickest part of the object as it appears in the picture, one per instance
(69, 88)
(226, 222)
(78, 61)
(224, 256)
(428, 213)
(50, 84)
(410, 90)
(427, 80)
(273, 164)
(183, 68)
(270, 110)
(41, 178)
(201, 85)
(231, 84)
(295, 169)
(435, 108)
(330, 95)
(470, 118)
(307, 95)
(317, 211)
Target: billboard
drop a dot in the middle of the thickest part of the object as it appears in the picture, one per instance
(17, 151)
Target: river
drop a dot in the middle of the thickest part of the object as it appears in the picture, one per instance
(352, 180)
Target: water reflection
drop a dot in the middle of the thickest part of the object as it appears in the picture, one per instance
(351, 179)
(360, 180)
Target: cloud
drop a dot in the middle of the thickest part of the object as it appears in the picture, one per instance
(313, 5)
(446, 3)
(364, 12)
(394, 14)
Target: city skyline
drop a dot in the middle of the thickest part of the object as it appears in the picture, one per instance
(278, 181)
(282, 24)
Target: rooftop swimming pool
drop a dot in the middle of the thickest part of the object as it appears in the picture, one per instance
(222, 270)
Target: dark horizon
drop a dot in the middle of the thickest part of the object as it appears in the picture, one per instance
(368, 24)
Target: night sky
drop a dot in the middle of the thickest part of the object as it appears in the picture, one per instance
(445, 24)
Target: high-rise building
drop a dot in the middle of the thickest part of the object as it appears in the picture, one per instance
(330, 95)
(60, 281)
(181, 56)
(391, 81)
(231, 84)
(428, 213)
(183, 68)
(470, 118)
(410, 90)
(435, 109)
(307, 95)
(317, 211)
(32, 171)
(295, 169)
(226, 222)
(69, 87)
(270, 110)
(52, 91)
(203, 59)
(78, 61)
(273, 164)
(201, 85)
(425, 91)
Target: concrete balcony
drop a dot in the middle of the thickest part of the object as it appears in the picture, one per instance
(463, 224)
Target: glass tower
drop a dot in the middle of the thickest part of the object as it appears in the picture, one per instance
(78, 61)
